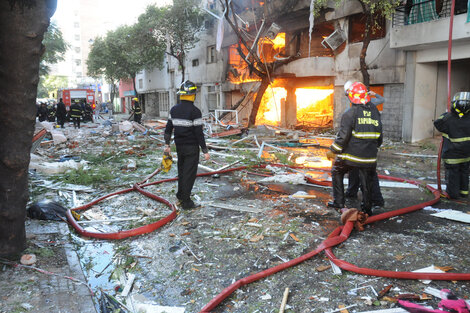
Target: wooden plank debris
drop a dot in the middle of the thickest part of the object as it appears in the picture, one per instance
(284, 301)
(227, 133)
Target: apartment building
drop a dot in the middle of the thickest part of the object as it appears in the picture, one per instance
(406, 61)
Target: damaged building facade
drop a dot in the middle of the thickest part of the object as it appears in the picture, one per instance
(406, 64)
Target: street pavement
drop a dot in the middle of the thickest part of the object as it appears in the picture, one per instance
(53, 286)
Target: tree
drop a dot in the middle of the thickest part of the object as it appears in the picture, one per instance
(371, 10)
(23, 24)
(100, 63)
(49, 84)
(177, 25)
(55, 48)
(264, 70)
(124, 52)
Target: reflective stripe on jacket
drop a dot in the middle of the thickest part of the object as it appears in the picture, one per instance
(359, 136)
(75, 110)
(186, 120)
(456, 133)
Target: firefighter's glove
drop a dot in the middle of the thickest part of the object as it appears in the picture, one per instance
(330, 155)
(167, 160)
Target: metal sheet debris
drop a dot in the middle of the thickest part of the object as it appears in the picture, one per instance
(453, 215)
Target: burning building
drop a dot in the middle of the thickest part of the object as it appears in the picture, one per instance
(303, 69)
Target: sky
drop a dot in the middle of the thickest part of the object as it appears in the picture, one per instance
(114, 12)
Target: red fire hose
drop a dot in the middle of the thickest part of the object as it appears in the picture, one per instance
(338, 236)
(449, 68)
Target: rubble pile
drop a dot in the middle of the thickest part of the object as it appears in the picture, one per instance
(250, 219)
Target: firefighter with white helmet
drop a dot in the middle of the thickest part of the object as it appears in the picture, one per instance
(455, 129)
(356, 145)
(186, 121)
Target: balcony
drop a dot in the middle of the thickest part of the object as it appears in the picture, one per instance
(425, 25)
(419, 11)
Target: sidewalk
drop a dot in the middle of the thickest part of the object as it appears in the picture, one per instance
(28, 290)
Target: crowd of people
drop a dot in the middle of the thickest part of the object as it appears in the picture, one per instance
(79, 111)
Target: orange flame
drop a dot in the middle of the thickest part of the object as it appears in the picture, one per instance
(314, 106)
(269, 112)
(267, 49)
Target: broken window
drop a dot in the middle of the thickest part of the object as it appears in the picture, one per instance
(357, 28)
(299, 41)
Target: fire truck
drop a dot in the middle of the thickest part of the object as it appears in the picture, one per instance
(70, 95)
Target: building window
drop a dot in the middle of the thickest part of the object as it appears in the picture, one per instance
(208, 24)
(164, 101)
(357, 27)
(213, 97)
(141, 83)
(77, 37)
(78, 62)
(211, 56)
(77, 49)
(195, 62)
(76, 24)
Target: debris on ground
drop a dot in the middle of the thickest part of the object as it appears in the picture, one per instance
(250, 220)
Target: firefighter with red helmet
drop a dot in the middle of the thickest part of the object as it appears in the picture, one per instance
(455, 129)
(356, 146)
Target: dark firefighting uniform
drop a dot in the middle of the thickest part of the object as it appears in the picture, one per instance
(42, 112)
(455, 151)
(76, 114)
(137, 113)
(61, 113)
(356, 146)
(353, 176)
(186, 120)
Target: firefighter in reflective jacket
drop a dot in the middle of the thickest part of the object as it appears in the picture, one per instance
(455, 129)
(76, 113)
(186, 120)
(137, 110)
(356, 146)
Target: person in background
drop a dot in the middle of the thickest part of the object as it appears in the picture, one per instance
(186, 120)
(76, 113)
(51, 112)
(455, 129)
(137, 110)
(356, 146)
(42, 112)
(88, 113)
(353, 176)
(61, 113)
